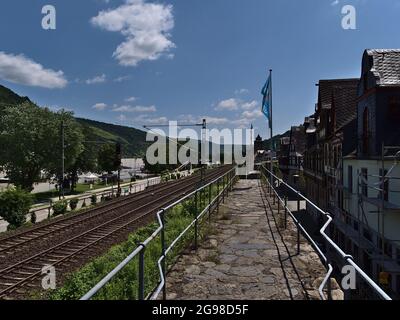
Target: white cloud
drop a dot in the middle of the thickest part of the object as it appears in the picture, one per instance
(215, 120)
(57, 108)
(99, 106)
(335, 3)
(121, 118)
(22, 70)
(241, 91)
(146, 27)
(151, 121)
(235, 104)
(229, 104)
(252, 115)
(135, 109)
(98, 79)
(122, 78)
(131, 99)
(250, 105)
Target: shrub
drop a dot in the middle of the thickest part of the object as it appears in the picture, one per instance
(33, 217)
(14, 206)
(60, 207)
(73, 203)
(93, 198)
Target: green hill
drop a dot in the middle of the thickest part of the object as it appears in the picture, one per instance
(8, 97)
(133, 140)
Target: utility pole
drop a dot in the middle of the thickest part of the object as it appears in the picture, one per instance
(118, 163)
(270, 126)
(62, 159)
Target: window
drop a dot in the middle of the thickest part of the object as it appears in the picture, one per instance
(350, 178)
(355, 251)
(364, 182)
(348, 220)
(388, 249)
(394, 109)
(366, 131)
(348, 245)
(367, 235)
(367, 263)
(385, 186)
(398, 284)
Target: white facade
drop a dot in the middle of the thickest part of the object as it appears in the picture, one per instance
(374, 227)
(391, 222)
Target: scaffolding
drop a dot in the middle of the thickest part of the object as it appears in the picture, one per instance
(387, 260)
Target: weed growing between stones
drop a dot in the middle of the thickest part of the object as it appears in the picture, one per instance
(124, 286)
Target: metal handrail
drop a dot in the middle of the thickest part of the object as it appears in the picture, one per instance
(348, 258)
(150, 182)
(308, 237)
(163, 257)
(143, 245)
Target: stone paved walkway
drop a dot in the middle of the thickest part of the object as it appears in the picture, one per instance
(245, 257)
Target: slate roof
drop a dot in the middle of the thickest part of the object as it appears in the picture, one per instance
(386, 66)
(345, 101)
(326, 88)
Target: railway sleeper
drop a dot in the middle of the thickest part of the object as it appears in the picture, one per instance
(12, 278)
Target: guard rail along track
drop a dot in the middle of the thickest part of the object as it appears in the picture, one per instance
(228, 179)
(70, 242)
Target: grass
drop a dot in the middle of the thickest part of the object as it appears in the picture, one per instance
(124, 286)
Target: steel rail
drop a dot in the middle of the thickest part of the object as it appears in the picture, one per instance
(348, 258)
(88, 215)
(95, 211)
(91, 243)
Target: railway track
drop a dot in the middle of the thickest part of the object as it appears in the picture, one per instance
(12, 244)
(68, 243)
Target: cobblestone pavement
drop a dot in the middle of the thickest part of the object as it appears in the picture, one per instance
(245, 257)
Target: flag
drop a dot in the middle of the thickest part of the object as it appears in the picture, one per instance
(266, 104)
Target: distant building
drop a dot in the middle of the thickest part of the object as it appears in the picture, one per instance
(322, 133)
(290, 155)
(258, 144)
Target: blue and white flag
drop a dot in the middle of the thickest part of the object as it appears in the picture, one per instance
(266, 104)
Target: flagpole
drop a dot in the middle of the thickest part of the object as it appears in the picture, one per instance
(270, 125)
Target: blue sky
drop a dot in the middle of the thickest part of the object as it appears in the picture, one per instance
(136, 62)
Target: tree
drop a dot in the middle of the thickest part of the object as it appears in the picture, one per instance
(159, 168)
(86, 160)
(107, 158)
(24, 133)
(14, 206)
(73, 145)
(30, 140)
